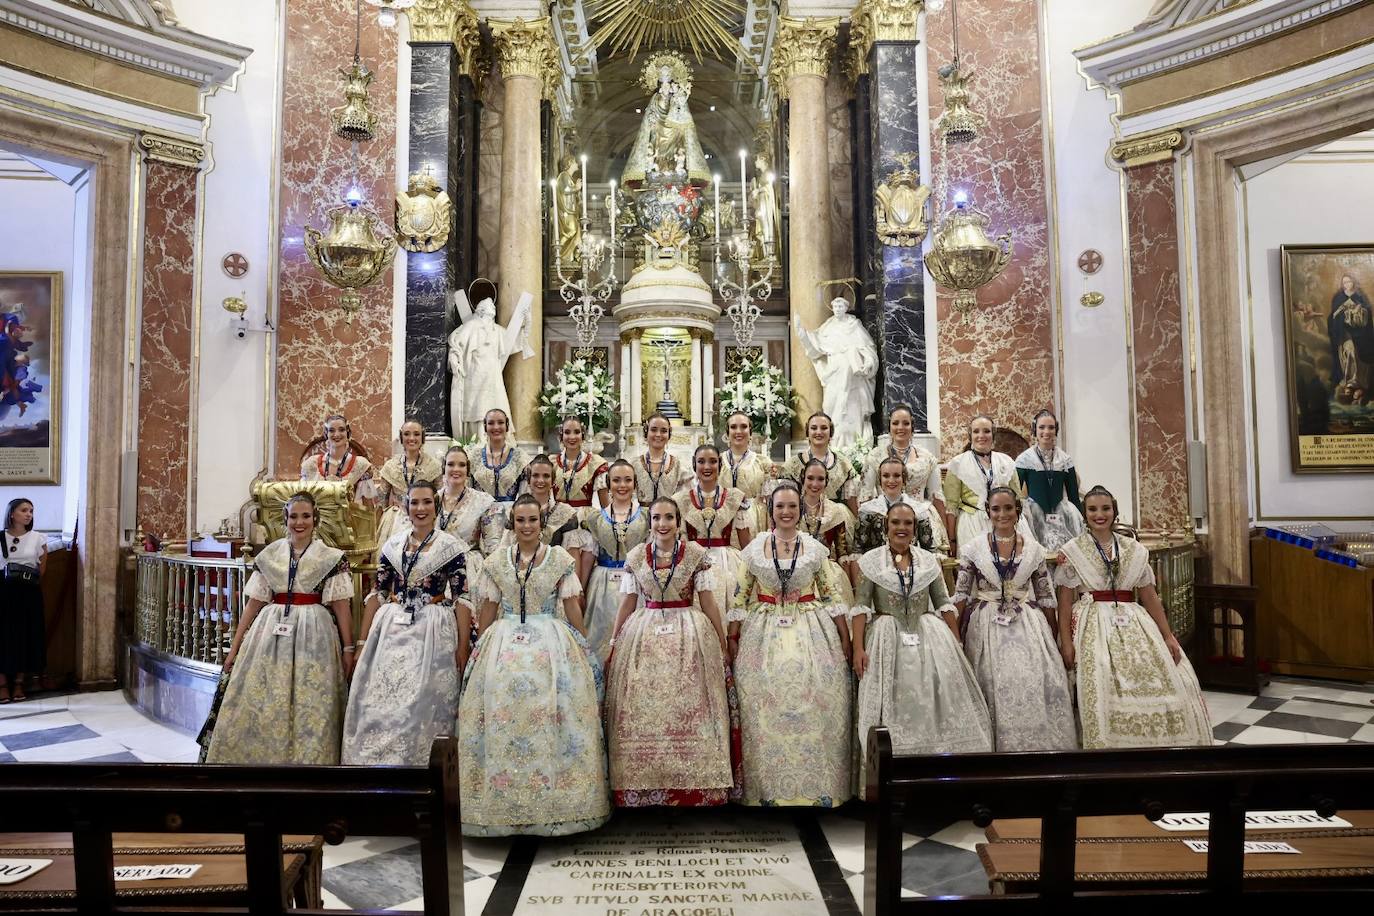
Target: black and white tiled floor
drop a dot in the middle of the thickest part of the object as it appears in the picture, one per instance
(384, 872)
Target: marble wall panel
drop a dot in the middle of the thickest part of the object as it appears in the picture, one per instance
(1000, 360)
(841, 154)
(325, 364)
(489, 176)
(1157, 333)
(164, 381)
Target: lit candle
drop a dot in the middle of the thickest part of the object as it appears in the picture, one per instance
(743, 188)
(584, 185)
(717, 178)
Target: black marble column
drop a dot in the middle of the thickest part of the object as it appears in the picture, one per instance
(894, 290)
(443, 138)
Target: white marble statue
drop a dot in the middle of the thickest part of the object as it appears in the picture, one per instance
(477, 354)
(847, 362)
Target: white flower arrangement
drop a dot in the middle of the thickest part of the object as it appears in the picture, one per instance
(855, 453)
(760, 391)
(580, 389)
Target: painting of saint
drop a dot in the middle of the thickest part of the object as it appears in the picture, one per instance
(1330, 356)
(30, 351)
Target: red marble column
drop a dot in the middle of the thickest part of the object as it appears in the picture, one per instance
(324, 364)
(165, 344)
(1157, 332)
(1000, 359)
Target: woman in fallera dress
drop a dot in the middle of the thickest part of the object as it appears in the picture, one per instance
(1050, 482)
(790, 647)
(715, 516)
(832, 524)
(529, 727)
(842, 484)
(1004, 586)
(616, 530)
(465, 512)
(405, 689)
(913, 677)
(579, 477)
(292, 652)
(560, 523)
(922, 475)
(658, 473)
(398, 473)
(672, 723)
(497, 468)
(970, 477)
(871, 530)
(745, 470)
(337, 462)
(1135, 686)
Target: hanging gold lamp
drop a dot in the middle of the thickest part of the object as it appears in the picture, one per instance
(963, 258)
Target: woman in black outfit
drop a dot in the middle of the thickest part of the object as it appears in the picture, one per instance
(23, 643)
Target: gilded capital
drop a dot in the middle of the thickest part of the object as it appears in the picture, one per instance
(526, 49)
(878, 20)
(803, 47)
(1144, 150)
(182, 153)
(447, 21)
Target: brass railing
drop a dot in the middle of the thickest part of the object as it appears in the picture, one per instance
(188, 606)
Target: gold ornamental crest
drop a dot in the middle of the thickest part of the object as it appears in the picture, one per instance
(899, 206)
(424, 214)
(674, 63)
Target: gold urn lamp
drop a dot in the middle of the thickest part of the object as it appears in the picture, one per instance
(962, 257)
(355, 252)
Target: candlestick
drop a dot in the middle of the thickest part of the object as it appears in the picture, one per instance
(717, 180)
(584, 185)
(591, 411)
(553, 230)
(743, 189)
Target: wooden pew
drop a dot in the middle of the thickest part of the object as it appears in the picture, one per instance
(95, 803)
(1057, 788)
(1136, 828)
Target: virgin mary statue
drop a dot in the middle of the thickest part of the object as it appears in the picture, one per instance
(667, 142)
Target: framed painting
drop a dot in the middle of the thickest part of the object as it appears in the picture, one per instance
(30, 376)
(1329, 347)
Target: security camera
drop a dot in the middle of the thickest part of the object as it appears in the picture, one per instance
(241, 328)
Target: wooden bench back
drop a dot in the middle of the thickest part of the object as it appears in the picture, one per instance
(1059, 787)
(93, 801)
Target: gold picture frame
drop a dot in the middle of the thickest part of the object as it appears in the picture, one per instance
(1329, 353)
(31, 307)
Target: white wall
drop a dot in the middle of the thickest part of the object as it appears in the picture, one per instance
(1086, 212)
(239, 189)
(1316, 198)
(44, 239)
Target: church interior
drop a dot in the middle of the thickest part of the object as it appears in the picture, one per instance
(993, 381)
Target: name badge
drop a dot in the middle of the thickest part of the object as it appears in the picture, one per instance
(664, 629)
(1121, 620)
(616, 576)
(1052, 518)
(786, 620)
(282, 629)
(521, 638)
(1002, 620)
(911, 639)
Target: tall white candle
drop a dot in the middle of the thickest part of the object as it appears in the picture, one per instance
(767, 398)
(613, 215)
(717, 179)
(553, 230)
(584, 185)
(591, 410)
(743, 188)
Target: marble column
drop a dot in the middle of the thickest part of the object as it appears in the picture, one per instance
(166, 336)
(525, 54)
(801, 60)
(444, 40)
(883, 62)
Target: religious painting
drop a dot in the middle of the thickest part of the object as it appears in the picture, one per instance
(1329, 347)
(30, 376)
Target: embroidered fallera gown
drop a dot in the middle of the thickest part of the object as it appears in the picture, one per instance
(751, 474)
(871, 529)
(1012, 648)
(285, 699)
(653, 479)
(576, 481)
(792, 679)
(1052, 507)
(672, 721)
(918, 682)
(615, 537)
(405, 685)
(1130, 692)
(713, 521)
(355, 469)
(966, 493)
(502, 480)
(561, 527)
(529, 726)
(834, 528)
(922, 486)
(393, 482)
(470, 520)
(841, 481)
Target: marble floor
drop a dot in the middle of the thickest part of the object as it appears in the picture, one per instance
(937, 858)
